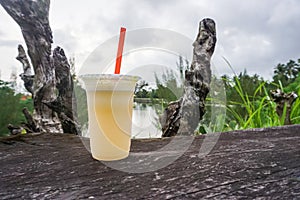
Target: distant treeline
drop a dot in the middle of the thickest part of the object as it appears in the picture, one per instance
(248, 99)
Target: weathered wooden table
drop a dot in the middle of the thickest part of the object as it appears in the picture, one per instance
(253, 164)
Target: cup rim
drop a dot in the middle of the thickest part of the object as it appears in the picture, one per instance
(110, 76)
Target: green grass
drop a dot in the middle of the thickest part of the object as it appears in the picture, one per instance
(255, 110)
(295, 113)
(260, 110)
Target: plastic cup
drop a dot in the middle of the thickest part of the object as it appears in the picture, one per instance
(110, 103)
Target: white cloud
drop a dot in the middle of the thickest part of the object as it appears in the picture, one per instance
(254, 34)
(285, 13)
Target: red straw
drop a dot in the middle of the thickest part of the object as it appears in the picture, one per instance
(120, 50)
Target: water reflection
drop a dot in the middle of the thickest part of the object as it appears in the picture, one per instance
(145, 121)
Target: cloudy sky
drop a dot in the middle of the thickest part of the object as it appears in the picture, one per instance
(252, 34)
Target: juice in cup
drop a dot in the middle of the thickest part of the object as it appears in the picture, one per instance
(110, 101)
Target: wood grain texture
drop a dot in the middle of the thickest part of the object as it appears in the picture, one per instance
(251, 164)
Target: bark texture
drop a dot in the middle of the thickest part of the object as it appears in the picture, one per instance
(65, 104)
(183, 116)
(284, 103)
(27, 76)
(33, 19)
(31, 125)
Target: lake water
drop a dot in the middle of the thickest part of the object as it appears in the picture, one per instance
(145, 122)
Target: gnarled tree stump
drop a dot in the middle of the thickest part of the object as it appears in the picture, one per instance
(183, 116)
(51, 72)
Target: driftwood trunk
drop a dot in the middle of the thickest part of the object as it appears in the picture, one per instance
(45, 85)
(284, 103)
(183, 116)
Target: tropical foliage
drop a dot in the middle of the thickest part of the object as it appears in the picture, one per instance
(248, 99)
(11, 105)
(249, 102)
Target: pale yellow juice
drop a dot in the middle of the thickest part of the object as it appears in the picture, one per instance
(113, 114)
(110, 103)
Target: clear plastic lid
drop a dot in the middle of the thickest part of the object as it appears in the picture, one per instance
(109, 82)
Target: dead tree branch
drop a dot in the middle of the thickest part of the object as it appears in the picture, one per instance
(183, 116)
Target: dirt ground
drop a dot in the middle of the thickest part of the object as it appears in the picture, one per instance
(251, 164)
